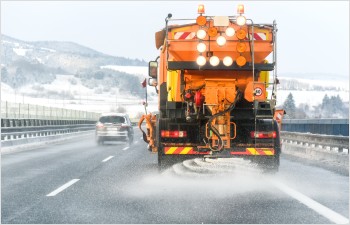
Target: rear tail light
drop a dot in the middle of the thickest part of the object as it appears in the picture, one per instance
(173, 134)
(99, 125)
(260, 134)
(123, 127)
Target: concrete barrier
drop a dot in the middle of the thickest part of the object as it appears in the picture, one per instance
(325, 150)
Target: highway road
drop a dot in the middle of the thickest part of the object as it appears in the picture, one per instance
(80, 182)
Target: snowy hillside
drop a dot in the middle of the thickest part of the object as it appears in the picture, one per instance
(140, 71)
(67, 91)
(28, 62)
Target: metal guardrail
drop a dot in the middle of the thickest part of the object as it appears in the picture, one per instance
(12, 129)
(326, 142)
(10, 110)
(317, 126)
(20, 121)
(326, 151)
(27, 132)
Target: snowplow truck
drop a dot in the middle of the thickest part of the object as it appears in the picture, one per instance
(216, 97)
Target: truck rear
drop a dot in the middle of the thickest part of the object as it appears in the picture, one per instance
(215, 94)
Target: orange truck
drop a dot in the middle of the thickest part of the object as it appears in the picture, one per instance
(216, 97)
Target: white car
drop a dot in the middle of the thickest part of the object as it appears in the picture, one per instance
(114, 127)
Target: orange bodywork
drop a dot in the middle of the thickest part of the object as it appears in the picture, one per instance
(182, 47)
(185, 49)
(197, 94)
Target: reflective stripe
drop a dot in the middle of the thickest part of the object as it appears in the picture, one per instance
(252, 151)
(171, 150)
(256, 151)
(269, 152)
(257, 36)
(184, 35)
(183, 151)
(186, 150)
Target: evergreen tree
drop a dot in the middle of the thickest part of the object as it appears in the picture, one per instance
(325, 102)
(333, 107)
(289, 106)
(4, 75)
(326, 107)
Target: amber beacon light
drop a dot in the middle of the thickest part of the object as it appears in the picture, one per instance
(201, 9)
(240, 9)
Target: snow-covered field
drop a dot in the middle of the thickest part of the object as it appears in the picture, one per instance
(83, 98)
(313, 98)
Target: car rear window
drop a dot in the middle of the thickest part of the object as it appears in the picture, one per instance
(112, 119)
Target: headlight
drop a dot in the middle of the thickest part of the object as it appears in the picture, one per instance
(227, 61)
(221, 40)
(214, 60)
(201, 34)
(240, 20)
(201, 60)
(230, 32)
(201, 47)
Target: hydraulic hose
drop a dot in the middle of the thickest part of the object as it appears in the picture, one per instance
(215, 131)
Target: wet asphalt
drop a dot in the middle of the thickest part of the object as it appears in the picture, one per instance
(121, 184)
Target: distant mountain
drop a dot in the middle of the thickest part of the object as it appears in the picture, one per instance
(24, 62)
(69, 56)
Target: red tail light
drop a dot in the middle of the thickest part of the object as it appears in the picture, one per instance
(173, 134)
(260, 134)
(99, 125)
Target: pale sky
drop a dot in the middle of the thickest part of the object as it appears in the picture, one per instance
(313, 36)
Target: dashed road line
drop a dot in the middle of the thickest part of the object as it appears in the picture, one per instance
(317, 207)
(63, 187)
(108, 158)
(126, 148)
(141, 138)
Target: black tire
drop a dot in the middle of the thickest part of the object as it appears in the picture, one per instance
(269, 165)
(163, 160)
(273, 165)
(160, 158)
(99, 141)
(158, 144)
(131, 139)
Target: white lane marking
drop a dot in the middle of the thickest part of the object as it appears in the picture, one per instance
(58, 190)
(108, 158)
(136, 142)
(317, 207)
(141, 138)
(126, 148)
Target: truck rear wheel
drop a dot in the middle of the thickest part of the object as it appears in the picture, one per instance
(158, 144)
(162, 123)
(269, 165)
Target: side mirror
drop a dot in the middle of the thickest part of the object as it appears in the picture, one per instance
(153, 69)
(152, 82)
